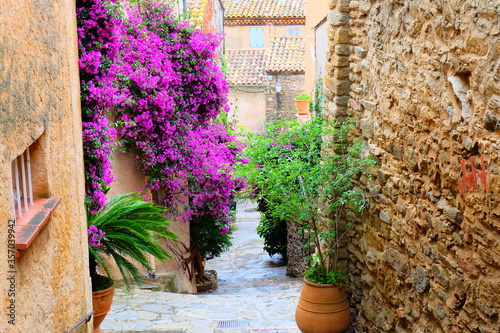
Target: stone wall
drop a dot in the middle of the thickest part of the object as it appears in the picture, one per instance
(40, 101)
(282, 105)
(422, 78)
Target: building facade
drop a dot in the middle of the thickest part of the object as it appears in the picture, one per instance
(265, 59)
(45, 283)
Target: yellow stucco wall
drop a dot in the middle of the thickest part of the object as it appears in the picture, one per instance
(238, 37)
(316, 11)
(248, 107)
(39, 96)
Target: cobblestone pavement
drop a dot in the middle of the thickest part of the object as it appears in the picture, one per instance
(254, 295)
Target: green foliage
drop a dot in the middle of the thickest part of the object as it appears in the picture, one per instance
(305, 173)
(273, 231)
(303, 97)
(133, 227)
(319, 98)
(210, 235)
(315, 274)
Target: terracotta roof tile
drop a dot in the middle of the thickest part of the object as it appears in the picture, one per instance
(197, 11)
(235, 9)
(286, 54)
(245, 67)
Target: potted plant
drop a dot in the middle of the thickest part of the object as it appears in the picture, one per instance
(303, 101)
(306, 174)
(125, 232)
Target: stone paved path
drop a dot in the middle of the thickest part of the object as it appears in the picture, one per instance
(254, 295)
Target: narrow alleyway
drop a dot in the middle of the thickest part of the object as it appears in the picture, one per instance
(254, 295)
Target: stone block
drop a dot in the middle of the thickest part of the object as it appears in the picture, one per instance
(369, 105)
(341, 36)
(341, 100)
(420, 279)
(490, 255)
(339, 60)
(440, 275)
(364, 6)
(396, 260)
(343, 6)
(453, 214)
(372, 239)
(337, 19)
(340, 87)
(360, 52)
(384, 216)
(367, 129)
(342, 72)
(342, 49)
(476, 44)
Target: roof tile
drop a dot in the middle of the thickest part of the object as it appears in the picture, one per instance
(235, 9)
(286, 54)
(245, 67)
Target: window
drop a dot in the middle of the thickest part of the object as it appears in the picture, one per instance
(29, 185)
(22, 183)
(256, 37)
(294, 31)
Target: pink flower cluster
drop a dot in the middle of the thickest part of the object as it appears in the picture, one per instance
(95, 236)
(99, 42)
(159, 78)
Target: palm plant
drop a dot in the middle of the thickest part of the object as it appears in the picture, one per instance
(130, 227)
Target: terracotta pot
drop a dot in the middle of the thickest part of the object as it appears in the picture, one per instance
(101, 303)
(303, 106)
(322, 308)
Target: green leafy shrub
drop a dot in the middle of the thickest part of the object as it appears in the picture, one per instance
(305, 174)
(303, 97)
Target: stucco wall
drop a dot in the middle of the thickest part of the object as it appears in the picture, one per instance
(238, 37)
(321, 49)
(39, 95)
(422, 79)
(316, 11)
(248, 107)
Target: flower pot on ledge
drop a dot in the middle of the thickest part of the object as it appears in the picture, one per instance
(303, 106)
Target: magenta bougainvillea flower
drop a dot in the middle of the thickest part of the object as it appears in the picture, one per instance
(159, 79)
(95, 236)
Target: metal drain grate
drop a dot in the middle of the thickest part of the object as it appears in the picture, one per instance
(232, 324)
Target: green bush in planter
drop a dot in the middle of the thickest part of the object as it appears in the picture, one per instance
(303, 97)
(306, 172)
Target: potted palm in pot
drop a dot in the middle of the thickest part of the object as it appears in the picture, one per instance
(125, 232)
(308, 172)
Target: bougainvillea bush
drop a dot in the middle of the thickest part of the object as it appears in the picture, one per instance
(158, 77)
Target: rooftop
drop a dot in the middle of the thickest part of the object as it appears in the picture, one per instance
(286, 54)
(246, 67)
(264, 9)
(197, 11)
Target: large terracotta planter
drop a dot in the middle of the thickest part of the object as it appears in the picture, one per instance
(303, 106)
(322, 308)
(101, 303)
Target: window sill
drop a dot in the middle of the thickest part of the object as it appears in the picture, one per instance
(29, 226)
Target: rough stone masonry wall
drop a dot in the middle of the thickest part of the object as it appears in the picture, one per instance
(422, 78)
(293, 85)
